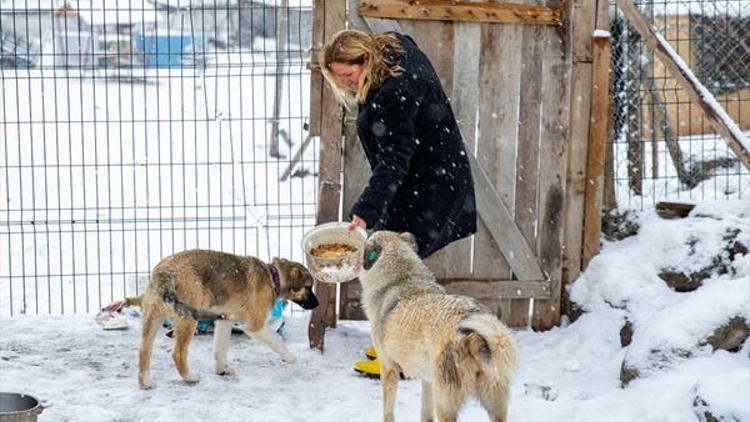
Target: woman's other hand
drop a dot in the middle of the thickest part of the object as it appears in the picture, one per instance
(357, 221)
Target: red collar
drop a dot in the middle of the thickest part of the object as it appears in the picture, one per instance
(275, 278)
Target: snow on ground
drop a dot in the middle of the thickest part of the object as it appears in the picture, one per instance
(568, 373)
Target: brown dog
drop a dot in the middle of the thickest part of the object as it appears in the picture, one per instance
(452, 343)
(202, 284)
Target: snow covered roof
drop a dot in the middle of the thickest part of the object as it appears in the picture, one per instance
(98, 17)
(93, 12)
(691, 7)
(186, 4)
(29, 6)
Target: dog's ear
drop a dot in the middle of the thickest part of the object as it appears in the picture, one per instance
(410, 239)
(296, 276)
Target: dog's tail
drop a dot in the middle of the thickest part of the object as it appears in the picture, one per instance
(168, 292)
(490, 343)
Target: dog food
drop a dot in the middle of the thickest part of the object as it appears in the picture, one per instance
(332, 250)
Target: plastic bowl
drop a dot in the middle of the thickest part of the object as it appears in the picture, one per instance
(339, 269)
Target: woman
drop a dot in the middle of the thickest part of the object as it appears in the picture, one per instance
(421, 180)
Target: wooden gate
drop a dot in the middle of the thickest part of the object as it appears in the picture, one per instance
(520, 87)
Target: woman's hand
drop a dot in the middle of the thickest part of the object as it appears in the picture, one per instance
(357, 221)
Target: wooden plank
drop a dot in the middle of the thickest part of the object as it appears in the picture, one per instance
(494, 289)
(498, 132)
(499, 221)
(528, 148)
(599, 118)
(446, 10)
(465, 101)
(503, 311)
(328, 18)
(552, 172)
(368, 24)
(583, 22)
(576, 175)
(602, 14)
(500, 70)
(435, 39)
(712, 110)
(528, 139)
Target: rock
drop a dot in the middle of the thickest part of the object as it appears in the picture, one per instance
(628, 373)
(718, 397)
(640, 365)
(738, 248)
(703, 412)
(626, 334)
(618, 226)
(570, 308)
(730, 336)
(681, 282)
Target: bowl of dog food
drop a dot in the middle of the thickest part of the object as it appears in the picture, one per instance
(333, 253)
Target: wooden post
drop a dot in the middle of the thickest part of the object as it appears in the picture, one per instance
(329, 16)
(598, 120)
(712, 111)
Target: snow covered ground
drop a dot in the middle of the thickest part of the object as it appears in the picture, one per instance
(571, 373)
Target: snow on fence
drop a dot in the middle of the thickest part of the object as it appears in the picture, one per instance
(663, 147)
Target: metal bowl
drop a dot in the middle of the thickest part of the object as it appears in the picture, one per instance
(17, 407)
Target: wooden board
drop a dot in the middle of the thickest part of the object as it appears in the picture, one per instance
(576, 174)
(465, 102)
(528, 146)
(492, 289)
(597, 147)
(328, 18)
(455, 11)
(555, 119)
(584, 20)
(496, 150)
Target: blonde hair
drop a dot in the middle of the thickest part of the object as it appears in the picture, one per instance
(373, 52)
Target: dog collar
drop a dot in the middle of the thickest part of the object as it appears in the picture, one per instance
(275, 278)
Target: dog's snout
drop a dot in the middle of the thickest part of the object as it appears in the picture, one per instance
(309, 301)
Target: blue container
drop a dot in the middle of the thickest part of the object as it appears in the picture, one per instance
(278, 308)
(164, 50)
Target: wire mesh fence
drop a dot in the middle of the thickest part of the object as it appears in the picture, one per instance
(663, 148)
(133, 129)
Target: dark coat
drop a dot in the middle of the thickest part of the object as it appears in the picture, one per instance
(421, 181)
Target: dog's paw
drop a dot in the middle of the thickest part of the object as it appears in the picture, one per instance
(146, 383)
(226, 372)
(290, 358)
(192, 378)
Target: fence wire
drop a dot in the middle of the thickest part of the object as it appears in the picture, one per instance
(663, 148)
(133, 129)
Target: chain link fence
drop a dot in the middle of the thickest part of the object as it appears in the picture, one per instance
(133, 129)
(663, 150)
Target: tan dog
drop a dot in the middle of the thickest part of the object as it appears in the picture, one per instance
(202, 284)
(452, 343)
